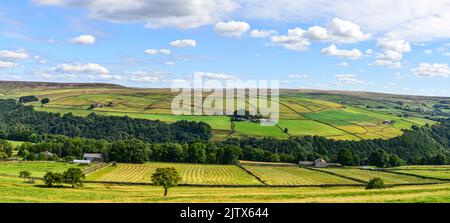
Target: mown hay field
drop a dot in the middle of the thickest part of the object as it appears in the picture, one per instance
(198, 174)
(294, 176)
(366, 175)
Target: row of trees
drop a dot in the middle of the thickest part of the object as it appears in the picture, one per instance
(131, 150)
(72, 176)
(22, 123)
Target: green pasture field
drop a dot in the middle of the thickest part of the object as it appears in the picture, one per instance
(36, 168)
(16, 144)
(294, 175)
(14, 190)
(190, 173)
(244, 128)
(338, 117)
(305, 127)
(366, 175)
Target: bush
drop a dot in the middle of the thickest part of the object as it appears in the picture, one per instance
(45, 101)
(29, 98)
(26, 175)
(375, 183)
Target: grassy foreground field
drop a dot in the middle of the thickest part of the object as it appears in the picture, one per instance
(14, 190)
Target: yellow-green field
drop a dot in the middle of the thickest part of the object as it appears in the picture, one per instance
(389, 178)
(190, 174)
(294, 175)
(14, 190)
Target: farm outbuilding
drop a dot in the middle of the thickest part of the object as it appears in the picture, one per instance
(93, 157)
(318, 163)
(81, 162)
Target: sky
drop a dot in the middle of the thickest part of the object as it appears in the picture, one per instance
(400, 47)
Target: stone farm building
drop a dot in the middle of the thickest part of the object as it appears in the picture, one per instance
(93, 157)
(318, 163)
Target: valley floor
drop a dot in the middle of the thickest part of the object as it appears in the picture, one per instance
(13, 190)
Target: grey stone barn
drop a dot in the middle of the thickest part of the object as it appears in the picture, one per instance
(93, 157)
(318, 163)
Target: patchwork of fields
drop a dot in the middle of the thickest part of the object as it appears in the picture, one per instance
(298, 114)
(247, 174)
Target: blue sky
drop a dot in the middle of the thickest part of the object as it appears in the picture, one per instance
(401, 47)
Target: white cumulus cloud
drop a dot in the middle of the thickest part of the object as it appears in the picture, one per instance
(77, 68)
(215, 76)
(156, 51)
(83, 39)
(431, 70)
(231, 28)
(339, 31)
(332, 50)
(183, 43)
(7, 64)
(349, 79)
(393, 49)
(294, 40)
(9, 55)
(390, 42)
(259, 33)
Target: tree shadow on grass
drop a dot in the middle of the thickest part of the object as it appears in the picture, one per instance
(54, 186)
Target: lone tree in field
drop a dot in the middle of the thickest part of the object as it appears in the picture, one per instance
(166, 177)
(375, 183)
(74, 177)
(26, 176)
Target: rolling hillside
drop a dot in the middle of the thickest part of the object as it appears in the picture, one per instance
(332, 114)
